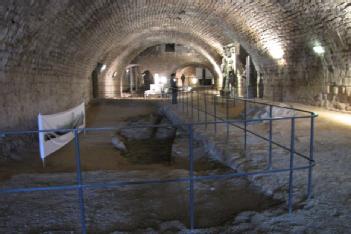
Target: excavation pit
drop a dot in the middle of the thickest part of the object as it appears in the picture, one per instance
(130, 208)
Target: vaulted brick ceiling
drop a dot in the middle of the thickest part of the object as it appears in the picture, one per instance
(64, 39)
(91, 30)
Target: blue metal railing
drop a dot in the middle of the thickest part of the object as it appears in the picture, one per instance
(183, 100)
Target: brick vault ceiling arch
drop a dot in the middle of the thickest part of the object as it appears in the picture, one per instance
(216, 22)
(85, 30)
(61, 41)
(118, 59)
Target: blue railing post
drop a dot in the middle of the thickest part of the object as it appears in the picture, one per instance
(179, 99)
(79, 181)
(192, 105)
(245, 125)
(171, 97)
(270, 136)
(226, 108)
(215, 113)
(309, 186)
(187, 103)
(183, 100)
(178, 96)
(198, 106)
(191, 179)
(291, 172)
(205, 101)
(227, 117)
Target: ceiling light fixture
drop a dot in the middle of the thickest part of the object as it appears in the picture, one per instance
(318, 49)
(275, 50)
(103, 67)
(194, 80)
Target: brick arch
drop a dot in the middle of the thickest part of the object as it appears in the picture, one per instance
(53, 46)
(87, 29)
(119, 63)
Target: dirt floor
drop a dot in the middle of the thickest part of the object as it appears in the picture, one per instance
(330, 209)
(328, 212)
(133, 209)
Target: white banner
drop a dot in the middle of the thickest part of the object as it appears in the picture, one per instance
(50, 142)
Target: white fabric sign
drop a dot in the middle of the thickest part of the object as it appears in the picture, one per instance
(50, 142)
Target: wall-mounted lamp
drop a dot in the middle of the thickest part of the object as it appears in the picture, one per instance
(103, 67)
(194, 80)
(281, 62)
(318, 49)
(275, 50)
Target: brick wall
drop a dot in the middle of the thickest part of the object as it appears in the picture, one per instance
(48, 49)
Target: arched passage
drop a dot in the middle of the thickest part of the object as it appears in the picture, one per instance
(118, 64)
(195, 74)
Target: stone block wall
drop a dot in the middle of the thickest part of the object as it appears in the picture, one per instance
(307, 77)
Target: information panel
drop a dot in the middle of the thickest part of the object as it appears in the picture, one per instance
(50, 142)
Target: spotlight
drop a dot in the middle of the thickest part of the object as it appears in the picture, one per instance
(194, 81)
(163, 80)
(103, 67)
(318, 49)
(275, 50)
(282, 62)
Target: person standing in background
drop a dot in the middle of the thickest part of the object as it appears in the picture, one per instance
(174, 88)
